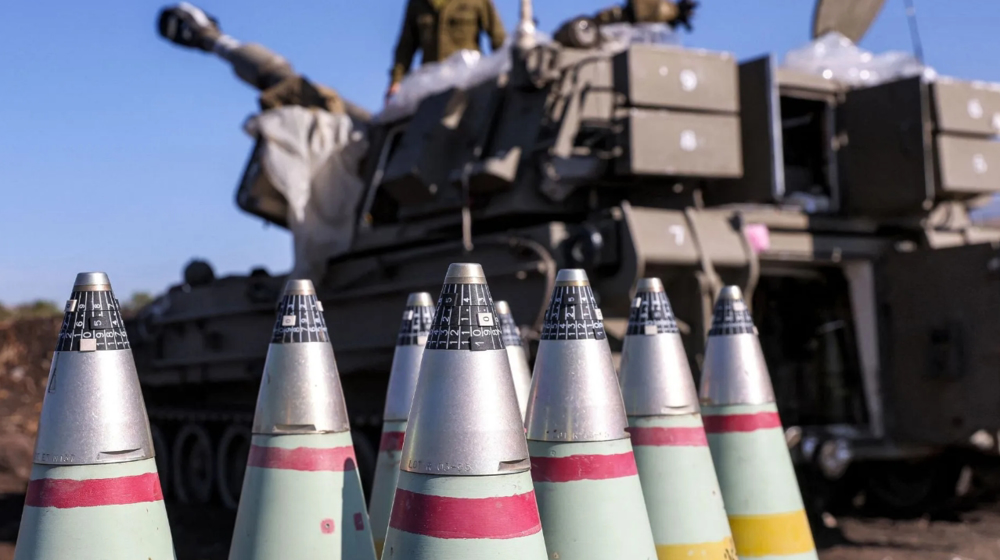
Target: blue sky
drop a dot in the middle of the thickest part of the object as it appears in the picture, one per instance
(120, 152)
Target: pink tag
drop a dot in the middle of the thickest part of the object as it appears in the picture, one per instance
(758, 236)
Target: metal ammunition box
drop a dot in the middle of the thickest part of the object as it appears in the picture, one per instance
(681, 114)
(913, 143)
(968, 165)
(680, 144)
(655, 76)
(963, 107)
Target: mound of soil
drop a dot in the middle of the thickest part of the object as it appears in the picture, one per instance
(25, 355)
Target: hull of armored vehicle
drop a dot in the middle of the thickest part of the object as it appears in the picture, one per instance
(201, 348)
(870, 350)
(842, 213)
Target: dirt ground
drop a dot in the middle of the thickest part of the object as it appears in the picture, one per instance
(976, 536)
(203, 533)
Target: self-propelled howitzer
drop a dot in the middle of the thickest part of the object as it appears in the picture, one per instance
(841, 210)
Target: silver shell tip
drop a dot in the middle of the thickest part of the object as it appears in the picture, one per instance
(572, 277)
(300, 288)
(731, 292)
(649, 285)
(465, 273)
(92, 280)
(420, 299)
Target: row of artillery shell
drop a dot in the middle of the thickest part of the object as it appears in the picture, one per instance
(587, 469)
(607, 473)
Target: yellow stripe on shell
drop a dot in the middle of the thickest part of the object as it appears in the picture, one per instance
(772, 535)
(722, 550)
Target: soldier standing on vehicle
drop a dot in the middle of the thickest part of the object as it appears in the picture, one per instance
(440, 28)
(650, 11)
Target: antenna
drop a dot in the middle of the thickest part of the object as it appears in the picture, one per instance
(911, 16)
(526, 28)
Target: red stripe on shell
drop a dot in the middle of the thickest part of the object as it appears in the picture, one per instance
(669, 437)
(503, 517)
(582, 467)
(391, 441)
(334, 459)
(64, 493)
(736, 423)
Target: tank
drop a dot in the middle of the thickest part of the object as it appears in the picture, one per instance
(842, 211)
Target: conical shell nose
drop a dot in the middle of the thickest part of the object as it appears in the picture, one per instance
(300, 288)
(93, 411)
(574, 392)
(572, 277)
(415, 325)
(511, 333)
(420, 299)
(516, 353)
(731, 292)
(92, 319)
(300, 315)
(655, 376)
(465, 273)
(573, 313)
(651, 312)
(300, 389)
(649, 285)
(731, 315)
(413, 330)
(92, 281)
(734, 371)
(465, 419)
